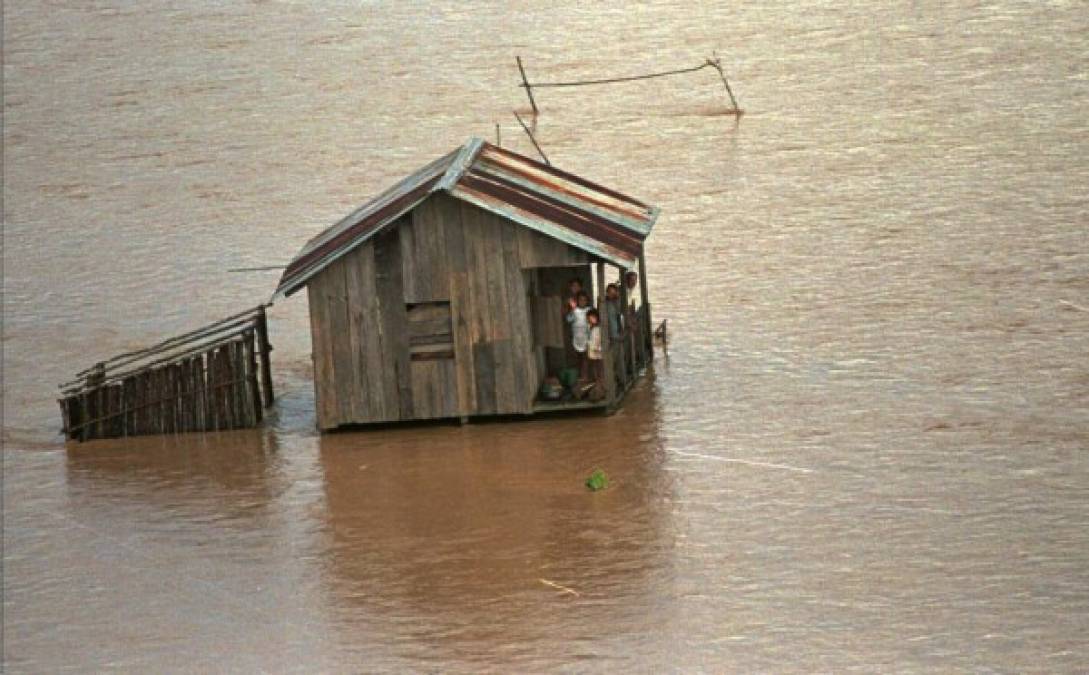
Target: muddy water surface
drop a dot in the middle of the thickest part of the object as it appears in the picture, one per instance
(866, 449)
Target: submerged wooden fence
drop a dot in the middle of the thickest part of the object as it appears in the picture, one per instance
(214, 378)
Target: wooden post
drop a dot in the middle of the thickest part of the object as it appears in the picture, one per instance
(208, 395)
(128, 403)
(116, 411)
(87, 408)
(603, 328)
(252, 388)
(66, 422)
(625, 331)
(139, 403)
(525, 83)
(261, 324)
(498, 136)
(648, 325)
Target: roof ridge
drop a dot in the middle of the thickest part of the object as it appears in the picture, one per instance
(461, 163)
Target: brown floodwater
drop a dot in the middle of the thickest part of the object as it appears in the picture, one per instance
(866, 449)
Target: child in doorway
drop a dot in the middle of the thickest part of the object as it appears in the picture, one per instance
(577, 309)
(593, 349)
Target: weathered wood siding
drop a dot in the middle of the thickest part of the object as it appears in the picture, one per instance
(432, 318)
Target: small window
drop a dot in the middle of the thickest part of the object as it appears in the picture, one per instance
(429, 331)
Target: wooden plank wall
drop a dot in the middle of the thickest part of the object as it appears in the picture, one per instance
(217, 389)
(444, 251)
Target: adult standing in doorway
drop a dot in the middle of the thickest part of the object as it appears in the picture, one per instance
(631, 324)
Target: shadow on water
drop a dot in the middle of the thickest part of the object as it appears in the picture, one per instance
(226, 477)
(444, 535)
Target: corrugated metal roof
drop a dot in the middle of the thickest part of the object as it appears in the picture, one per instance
(600, 221)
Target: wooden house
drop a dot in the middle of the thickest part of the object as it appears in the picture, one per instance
(442, 297)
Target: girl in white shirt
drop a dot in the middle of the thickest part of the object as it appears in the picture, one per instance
(578, 307)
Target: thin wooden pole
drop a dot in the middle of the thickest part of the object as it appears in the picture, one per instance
(263, 345)
(626, 331)
(648, 325)
(498, 136)
(606, 347)
(254, 390)
(717, 63)
(528, 87)
(532, 138)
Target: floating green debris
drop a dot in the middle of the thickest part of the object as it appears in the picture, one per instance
(597, 480)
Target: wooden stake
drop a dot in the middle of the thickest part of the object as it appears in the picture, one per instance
(648, 326)
(531, 138)
(603, 329)
(525, 83)
(263, 346)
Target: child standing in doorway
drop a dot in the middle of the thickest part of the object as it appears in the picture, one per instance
(593, 349)
(577, 309)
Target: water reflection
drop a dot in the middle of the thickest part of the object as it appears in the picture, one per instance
(440, 536)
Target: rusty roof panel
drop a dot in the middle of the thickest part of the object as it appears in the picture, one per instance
(568, 187)
(596, 219)
(555, 212)
(363, 223)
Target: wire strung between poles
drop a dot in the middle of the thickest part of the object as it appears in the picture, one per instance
(715, 63)
(629, 78)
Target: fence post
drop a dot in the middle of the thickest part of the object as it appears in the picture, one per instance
(266, 363)
(525, 83)
(648, 325)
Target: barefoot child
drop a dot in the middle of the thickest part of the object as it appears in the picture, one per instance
(578, 307)
(593, 349)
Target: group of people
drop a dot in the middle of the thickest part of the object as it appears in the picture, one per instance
(586, 323)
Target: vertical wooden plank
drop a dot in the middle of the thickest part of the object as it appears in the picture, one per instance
(449, 388)
(177, 393)
(163, 394)
(484, 376)
(480, 314)
(325, 404)
(87, 406)
(339, 340)
(243, 386)
(181, 393)
(368, 363)
(237, 421)
(215, 416)
(107, 410)
(101, 410)
(226, 374)
(394, 330)
(523, 355)
(227, 365)
(424, 376)
(66, 415)
(128, 392)
(460, 307)
(501, 328)
(606, 346)
(627, 343)
(648, 325)
(409, 264)
(166, 398)
(264, 348)
(176, 389)
(188, 398)
(253, 389)
(197, 375)
(153, 402)
(425, 265)
(215, 389)
(117, 410)
(138, 398)
(211, 412)
(149, 403)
